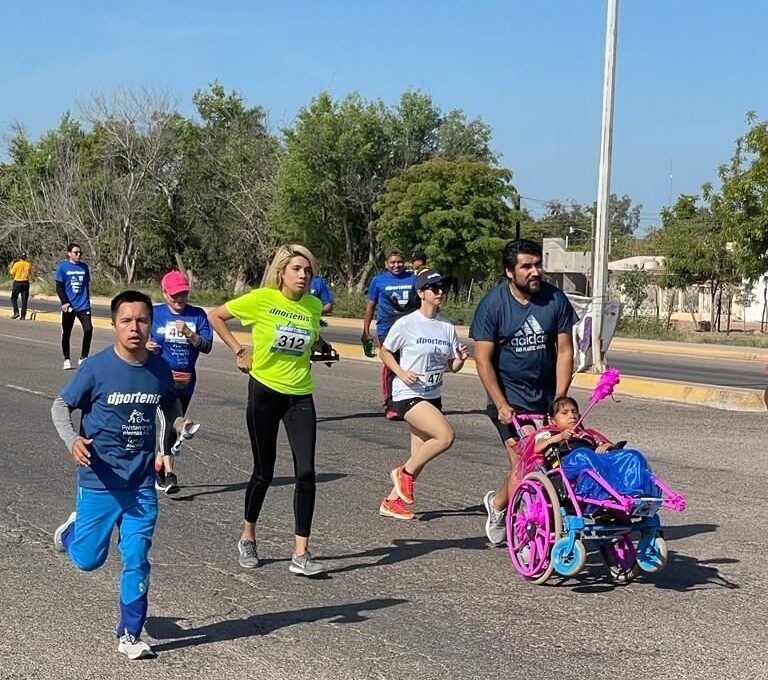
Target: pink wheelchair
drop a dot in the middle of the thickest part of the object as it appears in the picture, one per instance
(549, 522)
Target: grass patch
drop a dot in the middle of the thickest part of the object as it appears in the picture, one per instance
(100, 287)
(649, 328)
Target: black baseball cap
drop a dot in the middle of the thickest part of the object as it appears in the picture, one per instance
(419, 255)
(427, 278)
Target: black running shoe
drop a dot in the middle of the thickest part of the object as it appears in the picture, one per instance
(171, 483)
(160, 482)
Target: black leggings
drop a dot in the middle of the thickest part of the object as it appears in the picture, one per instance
(67, 323)
(266, 408)
(20, 288)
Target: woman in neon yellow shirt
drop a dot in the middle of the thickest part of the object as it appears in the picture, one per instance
(285, 324)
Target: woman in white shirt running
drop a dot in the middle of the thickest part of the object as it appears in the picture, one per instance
(428, 347)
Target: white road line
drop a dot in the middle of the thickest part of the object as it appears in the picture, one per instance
(26, 339)
(28, 391)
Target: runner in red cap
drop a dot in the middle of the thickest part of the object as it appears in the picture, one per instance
(180, 332)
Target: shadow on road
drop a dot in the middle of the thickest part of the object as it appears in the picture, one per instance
(405, 549)
(472, 510)
(678, 532)
(683, 574)
(320, 478)
(167, 628)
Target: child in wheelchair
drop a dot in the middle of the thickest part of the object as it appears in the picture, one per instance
(575, 450)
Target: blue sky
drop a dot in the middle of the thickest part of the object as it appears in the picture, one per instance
(687, 72)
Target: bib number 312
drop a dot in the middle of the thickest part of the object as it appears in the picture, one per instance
(291, 340)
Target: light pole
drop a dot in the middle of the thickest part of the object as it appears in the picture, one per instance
(600, 266)
(572, 231)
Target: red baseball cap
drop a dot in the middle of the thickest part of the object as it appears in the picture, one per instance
(175, 282)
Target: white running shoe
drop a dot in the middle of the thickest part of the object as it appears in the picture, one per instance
(495, 526)
(134, 647)
(306, 565)
(67, 365)
(81, 360)
(57, 542)
(248, 558)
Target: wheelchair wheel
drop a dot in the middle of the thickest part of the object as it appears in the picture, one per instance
(568, 562)
(533, 526)
(620, 557)
(652, 553)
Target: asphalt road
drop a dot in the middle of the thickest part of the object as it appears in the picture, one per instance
(729, 373)
(423, 599)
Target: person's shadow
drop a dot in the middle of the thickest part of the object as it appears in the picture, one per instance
(320, 478)
(167, 628)
(470, 511)
(403, 549)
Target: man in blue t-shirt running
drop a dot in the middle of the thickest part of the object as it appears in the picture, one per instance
(523, 354)
(391, 294)
(118, 392)
(73, 280)
(319, 288)
(180, 332)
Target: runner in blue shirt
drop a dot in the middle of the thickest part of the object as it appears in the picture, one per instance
(180, 332)
(118, 392)
(523, 354)
(392, 294)
(319, 288)
(73, 279)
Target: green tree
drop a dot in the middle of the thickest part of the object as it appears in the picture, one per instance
(696, 251)
(458, 211)
(338, 156)
(742, 204)
(218, 195)
(633, 284)
(576, 221)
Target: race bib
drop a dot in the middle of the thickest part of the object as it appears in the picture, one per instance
(291, 340)
(433, 379)
(173, 335)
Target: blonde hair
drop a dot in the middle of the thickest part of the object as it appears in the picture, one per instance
(273, 276)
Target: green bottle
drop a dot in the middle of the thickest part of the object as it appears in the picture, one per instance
(368, 349)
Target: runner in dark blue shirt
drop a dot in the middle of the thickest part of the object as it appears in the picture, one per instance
(391, 294)
(73, 280)
(118, 392)
(523, 354)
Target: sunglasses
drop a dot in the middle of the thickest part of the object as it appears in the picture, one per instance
(436, 288)
(77, 252)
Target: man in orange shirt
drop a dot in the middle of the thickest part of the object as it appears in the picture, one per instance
(21, 271)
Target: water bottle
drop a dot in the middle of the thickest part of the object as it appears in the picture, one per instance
(187, 432)
(368, 349)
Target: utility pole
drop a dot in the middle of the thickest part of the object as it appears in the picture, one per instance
(600, 263)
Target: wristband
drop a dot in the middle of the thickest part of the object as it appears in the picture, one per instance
(240, 352)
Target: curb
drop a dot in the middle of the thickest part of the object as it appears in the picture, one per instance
(712, 396)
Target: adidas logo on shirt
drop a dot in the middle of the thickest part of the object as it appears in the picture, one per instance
(529, 337)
